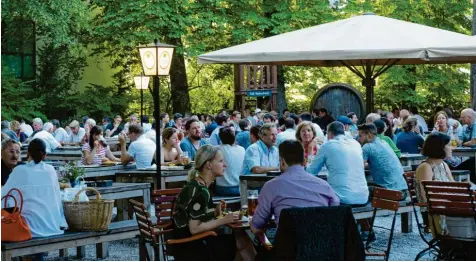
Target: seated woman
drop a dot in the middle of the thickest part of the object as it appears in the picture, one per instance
(96, 150)
(171, 151)
(307, 135)
(195, 213)
(442, 125)
(15, 126)
(229, 184)
(437, 147)
(38, 183)
(410, 140)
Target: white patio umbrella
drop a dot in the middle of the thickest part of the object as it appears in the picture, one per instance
(373, 42)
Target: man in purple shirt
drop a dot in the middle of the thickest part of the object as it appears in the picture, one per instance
(294, 188)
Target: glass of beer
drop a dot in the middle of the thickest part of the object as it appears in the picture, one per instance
(252, 201)
(185, 158)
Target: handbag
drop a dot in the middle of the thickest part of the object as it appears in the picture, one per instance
(14, 226)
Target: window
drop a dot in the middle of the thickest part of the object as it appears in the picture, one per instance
(18, 48)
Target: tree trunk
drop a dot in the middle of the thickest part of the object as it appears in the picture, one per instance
(178, 80)
(473, 66)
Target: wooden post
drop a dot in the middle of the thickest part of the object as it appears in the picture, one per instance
(81, 252)
(102, 250)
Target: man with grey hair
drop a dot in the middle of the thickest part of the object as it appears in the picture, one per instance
(11, 156)
(141, 149)
(371, 118)
(468, 136)
(7, 131)
(37, 124)
(58, 132)
(77, 133)
(132, 121)
(46, 136)
(344, 161)
(262, 156)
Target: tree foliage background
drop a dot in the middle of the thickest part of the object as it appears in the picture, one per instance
(112, 29)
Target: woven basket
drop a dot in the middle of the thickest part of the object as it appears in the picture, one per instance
(95, 215)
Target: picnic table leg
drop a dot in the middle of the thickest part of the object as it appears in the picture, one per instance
(6, 256)
(162, 182)
(407, 222)
(81, 252)
(63, 252)
(102, 250)
(244, 192)
(146, 198)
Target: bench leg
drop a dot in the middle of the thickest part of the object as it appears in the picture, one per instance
(102, 250)
(63, 252)
(407, 222)
(6, 256)
(81, 252)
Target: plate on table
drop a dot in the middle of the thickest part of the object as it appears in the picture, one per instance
(109, 163)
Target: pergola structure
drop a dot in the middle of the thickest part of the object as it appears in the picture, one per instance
(368, 45)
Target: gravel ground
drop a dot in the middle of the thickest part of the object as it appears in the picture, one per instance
(405, 246)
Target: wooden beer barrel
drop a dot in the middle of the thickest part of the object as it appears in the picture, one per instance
(339, 99)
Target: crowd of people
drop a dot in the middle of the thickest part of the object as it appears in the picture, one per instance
(226, 146)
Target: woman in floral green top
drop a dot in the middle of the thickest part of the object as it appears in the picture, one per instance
(195, 213)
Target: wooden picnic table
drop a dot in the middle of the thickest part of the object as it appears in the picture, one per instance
(149, 176)
(411, 159)
(122, 192)
(258, 180)
(96, 171)
(465, 152)
(66, 155)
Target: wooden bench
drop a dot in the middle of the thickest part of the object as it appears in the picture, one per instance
(117, 231)
(405, 210)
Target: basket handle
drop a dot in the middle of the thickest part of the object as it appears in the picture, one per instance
(98, 195)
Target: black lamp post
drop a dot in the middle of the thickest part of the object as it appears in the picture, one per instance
(142, 82)
(156, 59)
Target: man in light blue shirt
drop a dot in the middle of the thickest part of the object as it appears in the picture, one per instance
(262, 156)
(385, 167)
(221, 121)
(193, 141)
(229, 184)
(289, 133)
(343, 159)
(469, 128)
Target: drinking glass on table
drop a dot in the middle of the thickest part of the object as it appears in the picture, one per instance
(185, 158)
(252, 201)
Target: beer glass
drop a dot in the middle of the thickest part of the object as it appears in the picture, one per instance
(185, 158)
(252, 201)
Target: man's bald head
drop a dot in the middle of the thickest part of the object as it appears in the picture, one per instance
(467, 116)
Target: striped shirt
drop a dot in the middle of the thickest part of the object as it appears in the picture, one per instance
(100, 154)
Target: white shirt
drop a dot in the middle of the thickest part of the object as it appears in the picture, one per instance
(234, 158)
(146, 127)
(142, 150)
(214, 137)
(421, 122)
(50, 141)
(151, 135)
(61, 135)
(27, 129)
(77, 138)
(318, 130)
(343, 158)
(42, 205)
(287, 134)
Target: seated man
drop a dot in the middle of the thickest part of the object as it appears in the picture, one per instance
(45, 135)
(11, 156)
(262, 156)
(58, 132)
(243, 137)
(193, 141)
(343, 159)
(77, 133)
(384, 164)
(114, 129)
(141, 149)
(289, 133)
(294, 188)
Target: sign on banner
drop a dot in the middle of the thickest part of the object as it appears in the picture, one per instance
(257, 93)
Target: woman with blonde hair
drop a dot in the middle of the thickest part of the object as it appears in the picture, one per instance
(170, 147)
(15, 127)
(195, 214)
(307, 135)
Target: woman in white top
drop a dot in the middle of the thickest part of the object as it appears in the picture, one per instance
(38, 183)
(229, 184)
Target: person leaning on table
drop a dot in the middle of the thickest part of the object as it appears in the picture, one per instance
(195, 214)
(38, 183)
(141, 150)
(263, 155)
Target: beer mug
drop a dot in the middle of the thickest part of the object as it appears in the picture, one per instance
(185, 158)
(252, 201)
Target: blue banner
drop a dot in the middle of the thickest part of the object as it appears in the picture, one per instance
(256, 93)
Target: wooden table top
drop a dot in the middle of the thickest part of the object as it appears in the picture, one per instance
(406, 156)
(149, 172)
(464, 149)
(119, 187)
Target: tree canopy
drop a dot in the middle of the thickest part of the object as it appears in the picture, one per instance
(113, 29)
